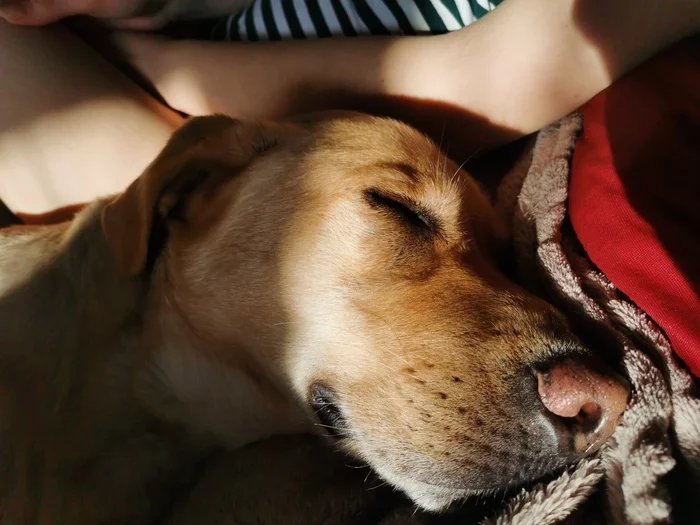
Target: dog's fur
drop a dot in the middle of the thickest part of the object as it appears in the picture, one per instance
(251, 267)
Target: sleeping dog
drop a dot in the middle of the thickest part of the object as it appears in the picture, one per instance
(262, 277)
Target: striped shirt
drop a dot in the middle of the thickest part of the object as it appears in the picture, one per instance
(299, 19)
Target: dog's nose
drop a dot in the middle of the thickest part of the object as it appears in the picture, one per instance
(588, 399)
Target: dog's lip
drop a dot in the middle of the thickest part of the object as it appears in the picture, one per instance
(465, 492)
(436, 498)
(429, 496)
(323, 400)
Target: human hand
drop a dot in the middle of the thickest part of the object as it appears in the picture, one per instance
(128, 14)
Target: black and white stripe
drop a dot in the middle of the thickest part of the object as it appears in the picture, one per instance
(301, 19)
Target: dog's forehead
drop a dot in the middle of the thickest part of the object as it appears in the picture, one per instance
(376, 137)
(364, 141)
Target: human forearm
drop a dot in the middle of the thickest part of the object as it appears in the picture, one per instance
(274, 80)
(521, 67)
(266, 79)
(537, 60)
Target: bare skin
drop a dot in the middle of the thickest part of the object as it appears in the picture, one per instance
(526, 64)
(521, 67)
(76, 128)
(136, 14)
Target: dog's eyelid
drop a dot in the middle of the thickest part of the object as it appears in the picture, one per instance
(404, 208)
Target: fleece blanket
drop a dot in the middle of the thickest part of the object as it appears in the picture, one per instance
(648, 474)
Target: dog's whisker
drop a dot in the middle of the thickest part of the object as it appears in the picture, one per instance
(343, 432)
(445, 158)
(329, 426)
(588, 448)
(470, 157)
(442, 136)
(459, 168)
(384, 365)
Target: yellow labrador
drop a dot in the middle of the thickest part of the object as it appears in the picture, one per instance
(258, 278)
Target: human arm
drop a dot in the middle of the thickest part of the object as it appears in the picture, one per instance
(522, 66)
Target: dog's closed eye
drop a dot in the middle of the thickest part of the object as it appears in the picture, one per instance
(418, 219)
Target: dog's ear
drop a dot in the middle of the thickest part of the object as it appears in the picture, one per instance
(202, 155)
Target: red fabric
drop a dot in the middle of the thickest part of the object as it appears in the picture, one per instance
(635, 191)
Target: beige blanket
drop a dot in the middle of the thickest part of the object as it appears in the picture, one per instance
(648, 474)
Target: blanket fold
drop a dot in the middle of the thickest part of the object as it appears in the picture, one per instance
(662, 421)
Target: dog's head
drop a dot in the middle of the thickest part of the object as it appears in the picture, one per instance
(348, 258)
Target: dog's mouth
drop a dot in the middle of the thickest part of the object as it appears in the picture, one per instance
(444, 465)
(323, 401)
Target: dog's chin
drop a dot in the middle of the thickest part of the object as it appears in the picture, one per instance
(429, 497)
(432, 498)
